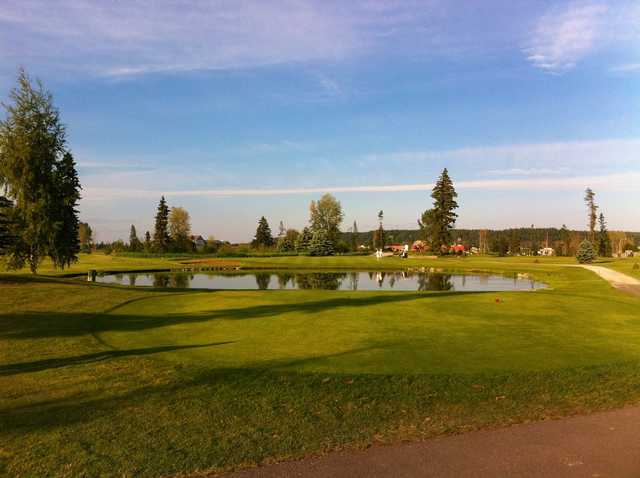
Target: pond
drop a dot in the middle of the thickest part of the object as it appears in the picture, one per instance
(359, 280)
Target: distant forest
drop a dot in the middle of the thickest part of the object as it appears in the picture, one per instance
(524, 237)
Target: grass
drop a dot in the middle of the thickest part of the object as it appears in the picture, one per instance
(108, 380)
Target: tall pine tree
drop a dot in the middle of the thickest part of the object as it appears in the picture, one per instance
(592, 209)
(604, 242)
(148, 245)
(354, 236)
(134, 242)
(304, 240)
(438, 222)
(67, 241)
(161, 238)
(263, 234)
(38, 174)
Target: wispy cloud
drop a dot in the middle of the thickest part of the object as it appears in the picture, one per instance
(121, 39)
(626, 68)
(565, 35)
(134, 37)
(562, 152)
(618, 180)
(527, 172)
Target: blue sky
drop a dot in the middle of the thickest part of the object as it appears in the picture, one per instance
(237, 109)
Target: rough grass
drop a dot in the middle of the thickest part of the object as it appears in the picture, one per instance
(107, 380)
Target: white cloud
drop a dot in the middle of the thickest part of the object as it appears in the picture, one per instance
(527, 172)
(565, 35)
(626, 68)
(625, 180)
(561, 152)
(135, 37)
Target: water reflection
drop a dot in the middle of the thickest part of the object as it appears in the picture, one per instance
(369, 280)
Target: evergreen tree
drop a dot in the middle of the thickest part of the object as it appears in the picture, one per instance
(147, 242)
(321, 244)
(514, 242)
(379, 238)
(134, 242)
(438, 222)
(281, 229)
(604, 242)
(589, 199)
(263, 234)
(161, 238)
(67, 241)
(38, 174)
(6, 237)
(586, 252)
(304, 240)
(354, 237)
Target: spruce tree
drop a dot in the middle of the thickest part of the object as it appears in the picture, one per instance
(586, 252)
(321, 244)
(354, 237)
(304, 240)
(67, 242)
(604, 242)
(38, 174)
(438, 222)
(134, 242)
(147, 242)
(263, 234)
(161, 238)
(379, 235)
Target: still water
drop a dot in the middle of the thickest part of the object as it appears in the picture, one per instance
(263, 280)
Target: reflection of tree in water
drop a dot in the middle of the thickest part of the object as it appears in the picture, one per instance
(132, 279)
(283, 279)
(353, 280)
(380, 278)
(434, 282)
(320, 280)
(180, 281)
(160, 280)
(392, 280)
(263, 279)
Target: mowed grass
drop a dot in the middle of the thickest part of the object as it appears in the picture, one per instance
(99, 380)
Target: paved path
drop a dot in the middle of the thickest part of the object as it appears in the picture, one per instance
(617, 279)
(602, 445)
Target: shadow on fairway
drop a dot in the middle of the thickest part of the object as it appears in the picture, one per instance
(43, 325)
(39, 365)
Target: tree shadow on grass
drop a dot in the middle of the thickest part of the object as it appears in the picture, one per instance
(48, 325)
(40, 365)
(254, 379)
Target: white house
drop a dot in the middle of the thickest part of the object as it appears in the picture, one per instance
(547, 251)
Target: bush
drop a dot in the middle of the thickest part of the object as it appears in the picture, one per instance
(586, 252)
(636, 266)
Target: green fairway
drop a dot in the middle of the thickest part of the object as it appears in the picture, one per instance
(211, 380)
